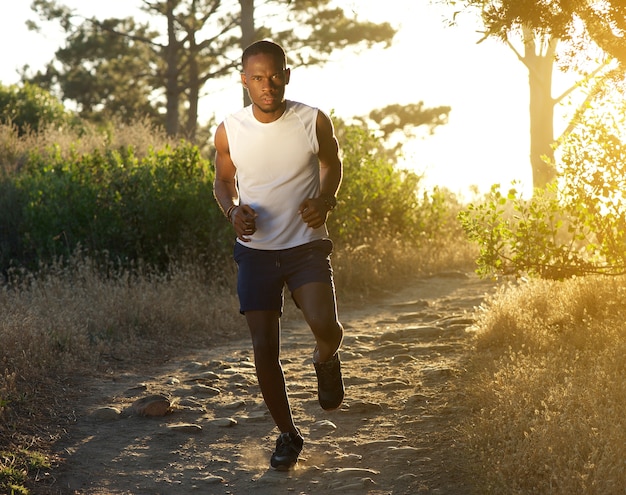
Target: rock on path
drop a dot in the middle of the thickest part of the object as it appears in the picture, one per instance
(200, 425)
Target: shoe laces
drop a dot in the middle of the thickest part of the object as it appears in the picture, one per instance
(287, 443)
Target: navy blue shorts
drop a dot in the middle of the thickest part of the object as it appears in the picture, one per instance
(263, 274)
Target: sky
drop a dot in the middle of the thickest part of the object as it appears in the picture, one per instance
(486, 140)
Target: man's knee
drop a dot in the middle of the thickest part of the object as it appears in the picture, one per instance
(264, 332)
(328, 330)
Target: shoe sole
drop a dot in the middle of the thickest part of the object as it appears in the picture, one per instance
(285, 468)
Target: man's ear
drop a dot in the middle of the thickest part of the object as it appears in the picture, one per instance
(243, 80)
(287, 75)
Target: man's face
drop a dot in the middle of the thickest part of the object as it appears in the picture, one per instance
(265, 78)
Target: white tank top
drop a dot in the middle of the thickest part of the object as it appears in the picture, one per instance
(277, 169)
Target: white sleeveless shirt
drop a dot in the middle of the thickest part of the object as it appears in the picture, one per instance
(277, 169)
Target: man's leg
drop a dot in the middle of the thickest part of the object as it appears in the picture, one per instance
(317, 302)
(265, 331)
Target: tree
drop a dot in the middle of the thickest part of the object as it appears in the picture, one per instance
(203, 40)
(110, 62)
(576, 225)
(607, 28)
(604, 22)
(396, 123)
(405, 118)
(541, 26)
(134, 58)
(29, 108)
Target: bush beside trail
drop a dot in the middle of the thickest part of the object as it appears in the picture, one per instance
(111, 202)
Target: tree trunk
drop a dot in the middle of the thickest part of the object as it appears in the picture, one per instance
(540, 65)
(248, 33)
(193, 82)
(171, 77)
(194, 96)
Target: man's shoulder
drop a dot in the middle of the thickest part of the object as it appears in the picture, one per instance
(298, 105)
(304, 112)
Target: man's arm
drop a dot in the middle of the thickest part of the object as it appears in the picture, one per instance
(242, 217)
(315, 210)
(331, 168)
(224, 185)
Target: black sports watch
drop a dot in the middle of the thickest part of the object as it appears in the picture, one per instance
(329, 200)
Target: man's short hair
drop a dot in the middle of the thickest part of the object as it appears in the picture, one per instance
(264, 46)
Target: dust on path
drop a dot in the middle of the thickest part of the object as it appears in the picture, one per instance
(393, 435)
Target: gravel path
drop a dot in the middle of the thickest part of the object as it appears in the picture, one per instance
(394, 434)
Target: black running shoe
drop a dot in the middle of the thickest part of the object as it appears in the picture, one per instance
(329, 383)
(288, 448)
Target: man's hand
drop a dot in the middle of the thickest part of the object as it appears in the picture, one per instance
(243, 219)
(314, 212)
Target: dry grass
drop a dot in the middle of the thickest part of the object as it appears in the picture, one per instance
(370, 270)
(70, 318)
(15, 150)
(69, 321)
(547, 391)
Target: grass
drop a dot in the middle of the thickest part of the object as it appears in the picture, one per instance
(546, 389)
(16, 467)
(69, 320)
(15, 149)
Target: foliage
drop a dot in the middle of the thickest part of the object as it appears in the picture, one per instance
(15, 468)
(29, 107)
(604, 22)
(405, 118)
(112, 202)
(315, 29)
(593, 169)
(577, 225)
(109, 62)
(150, 207)
(377, 199)
(396, 123)
(127, 69)
(520, 236)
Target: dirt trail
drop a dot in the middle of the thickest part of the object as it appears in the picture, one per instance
(393, 435)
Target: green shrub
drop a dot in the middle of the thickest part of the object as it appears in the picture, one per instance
(577, 225)
(30, 108)
(379, 200)
(113, 202)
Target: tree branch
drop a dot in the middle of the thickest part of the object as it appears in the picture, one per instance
(588, 78)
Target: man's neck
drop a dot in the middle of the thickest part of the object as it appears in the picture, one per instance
(267, 117)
